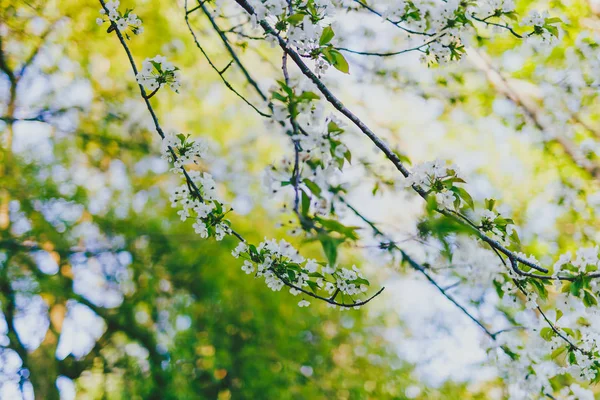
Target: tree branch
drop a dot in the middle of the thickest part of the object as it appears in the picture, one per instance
(186, 175)
(220, 72)
(390, 154)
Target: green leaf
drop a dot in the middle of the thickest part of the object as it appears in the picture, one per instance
(515, 237)
(597, 377)
(332, 127)
(296, 18)
(510, 353)
(218, 207)
(558, 352)
(547, 334)
(156, 65)
(294, 266)
(576, 286)
(457, 179)
(466, 197)
(572, 358)
(361, 281)
(253, 252)
(589, 299)
(431, 204)
(314, 188)
(500, 222)
(552, 29)
(559, 314)
(375, 189)
(330, 246)
(309, 96)
(278, 96)
(313, 286)
(181, 137)
(540, 288)
(305, 203)
(512, 15)
(291, 274)
(286, 88)
(553, 20)
(348, 156)
(339, 62)
(498, 287)
(326, 36)
(402, 157)
(570, 331)
(336, 226)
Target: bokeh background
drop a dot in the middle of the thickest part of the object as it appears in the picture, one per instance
(105, 294)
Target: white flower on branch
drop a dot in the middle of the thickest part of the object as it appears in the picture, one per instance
(157, 72)
(303, 303)
(123, 22)
(445, 200)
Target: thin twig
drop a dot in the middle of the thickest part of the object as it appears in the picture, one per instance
(420, 268)
(387, 54)
(218, 71)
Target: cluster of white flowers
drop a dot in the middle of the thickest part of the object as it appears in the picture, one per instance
(121, 21)
(440, 179)
(321, 138)
(157, 72)
(242, 247)
(305, 36)
(276, 261)
(476, 265)
(531, 300)
(452, 23)
(345, 278)
(535, 18)
(585, 258)
(265, 9)
(275, 254)
(446, 49)
(432, 18)
(567, 89)
(307, 28)
(303, 303)
(584, 365)
(555, 350)
(321, 152)
(301, 95)
(491, 7)
(445, 199)
(543, 30)
(539, 355)
(423, 15)
(206, 211)
(185, 151)
(488, 223)
(426, 174)
(313, 182)
(576, 392)
(197, 197)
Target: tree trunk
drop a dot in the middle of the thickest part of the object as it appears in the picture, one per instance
(42, 363)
